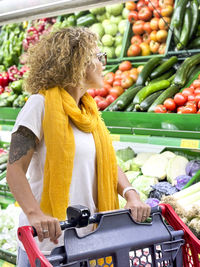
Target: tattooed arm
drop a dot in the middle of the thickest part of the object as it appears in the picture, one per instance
(23, 144)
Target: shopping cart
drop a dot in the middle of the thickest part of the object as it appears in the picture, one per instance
(119, 241)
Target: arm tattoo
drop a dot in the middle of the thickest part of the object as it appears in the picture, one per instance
(22, 141)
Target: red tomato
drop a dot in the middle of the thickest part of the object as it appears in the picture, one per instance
(147, 27)
(134, 50)
(136, 39)
(103, 91)
(146, 38)
(118, 72)
(140, 5)
(166, 10)
(117, 82)
(145, 14)
(109, 78)
(91, 92)
(130, 5)
(116, 91)
(170, 104)
(198, 112)
(102, 104)
(157, 12)
(107, 86)
(133, 16)
(199, 104)
(110, 98)
(125, 65)
(154, 46)
(154, 24)
(160, 109)
(180, 99)
(188, 91)
(98, 98)
(127, 82)
(189, 109)
(191, 86)
(179, 109)
(153, 5)
(197, 91)
(196, 83)
(138, 27)
(191, 97)
(125, 74)
(134, 76)
(162, 48)
(197, 98)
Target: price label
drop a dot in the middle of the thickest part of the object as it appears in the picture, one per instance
(189, 143)
(115, 137)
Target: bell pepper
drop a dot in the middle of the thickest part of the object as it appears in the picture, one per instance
(71, 20)
(16, 86)
(14, 73)
(1, 89)
(5, 79)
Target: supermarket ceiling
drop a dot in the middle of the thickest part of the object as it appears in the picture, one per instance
(21, 10)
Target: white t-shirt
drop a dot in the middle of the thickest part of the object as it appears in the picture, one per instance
(83, 188)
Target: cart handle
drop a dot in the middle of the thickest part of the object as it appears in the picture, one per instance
(78, 216)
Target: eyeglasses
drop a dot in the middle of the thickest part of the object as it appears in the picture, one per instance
(102, 57)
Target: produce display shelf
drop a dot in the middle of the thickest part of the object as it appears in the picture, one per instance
(165, 125)
(8, 115)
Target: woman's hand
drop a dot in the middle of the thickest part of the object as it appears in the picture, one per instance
(45, 226)
(139, 210)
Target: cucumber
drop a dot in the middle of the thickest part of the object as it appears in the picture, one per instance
(146, 103)
(130, 107)
(164, 67)
(195, 17)
(149, 89)
(194, 43)
(3, 158)
(185, 33)
(165, 76)
(171, 79)
(147, 69)
(176, 35)
(183, 72)
(179, 13)
(126, 98)
(169, 92)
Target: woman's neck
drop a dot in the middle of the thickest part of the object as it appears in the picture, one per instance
(76, 93)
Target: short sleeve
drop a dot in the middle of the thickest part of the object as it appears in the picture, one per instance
(31, 115)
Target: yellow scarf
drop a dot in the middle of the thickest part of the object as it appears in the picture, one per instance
(60, 146)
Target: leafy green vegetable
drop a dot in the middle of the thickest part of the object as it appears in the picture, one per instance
(142, 157)
(132, 175)
(143, 183)
(125, 153)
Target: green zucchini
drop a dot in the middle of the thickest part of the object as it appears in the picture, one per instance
(149, 89)
(147, 69)
(179, 13)
(130, 107)
(146, 103)
(165, 66)
(176, 35)
(185, 33)
(194, 43)
(127, 97)
(169, 92)
(86, 20)
(195, 17)
(171, 79)
(3, 158)
(166, 76)
(183, 72)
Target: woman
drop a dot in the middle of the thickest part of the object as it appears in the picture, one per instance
(60, 142)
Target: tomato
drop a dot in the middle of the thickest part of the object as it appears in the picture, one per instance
(145, 49)
(153, 5)
(145, 14)
(125, 74)
(191, 86)
(134, 74)
(163, 3)
(138, 27)
(161, 36)
(110, 98)
(180, 99)
(170, 104)
(166, 11)
(125, 65)
(98, 98)
(118, 72)
(118, 75)
(109, 78)
(156, 12)
(140, 5)
(189, 109)
(146, 38)
(187, 91)
(127, 82)
(134, 50)
(199, 105)
(198, 112)
(191, 97)
(139, 69)
(136, 39)
(133, 16)
(164, 23)
(196, 83)
(117, 82)
(160, 109)
(147, 27)
(191, 103)
(154, 23)
(91, 92)
(130, 5)
(153, 36)
(102, 104)
(116, 91)
(154, 46)
(197, 98)
(179, 109)
(197, 91)
(162, 48)
(103, 91)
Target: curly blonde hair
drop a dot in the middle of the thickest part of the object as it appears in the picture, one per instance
(60, 59)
